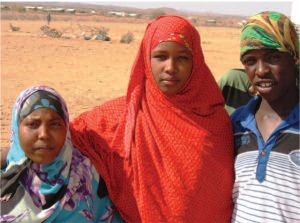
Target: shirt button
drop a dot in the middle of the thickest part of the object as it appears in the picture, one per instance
(263, 153)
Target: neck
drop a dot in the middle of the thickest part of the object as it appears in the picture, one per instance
(280, 107)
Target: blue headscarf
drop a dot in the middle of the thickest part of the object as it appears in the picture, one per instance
(66, 190)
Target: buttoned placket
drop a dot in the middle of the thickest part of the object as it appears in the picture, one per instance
(264, 148)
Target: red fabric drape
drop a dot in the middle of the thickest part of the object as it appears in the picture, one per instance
(164, 158)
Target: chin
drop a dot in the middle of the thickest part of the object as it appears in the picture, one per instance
(270, 97)
(43, 161)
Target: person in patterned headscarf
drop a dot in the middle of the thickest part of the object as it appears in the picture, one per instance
(165, 150)
(45, 178)
(266, 130)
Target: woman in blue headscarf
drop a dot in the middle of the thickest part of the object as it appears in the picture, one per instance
(45, 178)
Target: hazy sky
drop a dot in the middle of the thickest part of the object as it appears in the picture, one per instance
(235, 7)
(224, 7)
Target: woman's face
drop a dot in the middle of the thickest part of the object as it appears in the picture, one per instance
(171, 65)
(42, 135)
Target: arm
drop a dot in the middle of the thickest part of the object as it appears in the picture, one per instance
(93, 131)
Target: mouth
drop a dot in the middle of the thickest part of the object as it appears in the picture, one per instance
(169, 82)
(265, 86)
(43, 148)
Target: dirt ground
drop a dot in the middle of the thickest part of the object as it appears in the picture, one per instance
(86, 73)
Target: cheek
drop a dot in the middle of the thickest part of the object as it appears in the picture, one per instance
(155, 70)
(58, 139)
(188, 69)
(61, 138)
(250, 73)
(26, 138)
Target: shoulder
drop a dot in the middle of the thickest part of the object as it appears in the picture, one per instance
(107, 109)
(233, 76)
(117, 104)
(244, 114)
(100, 118)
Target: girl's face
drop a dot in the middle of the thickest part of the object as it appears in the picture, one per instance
(171, 65)
(42, 135)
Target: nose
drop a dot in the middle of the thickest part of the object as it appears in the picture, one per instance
(171, 66)
(43, 132)
(262, 69)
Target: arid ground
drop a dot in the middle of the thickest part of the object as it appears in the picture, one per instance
(86, 72)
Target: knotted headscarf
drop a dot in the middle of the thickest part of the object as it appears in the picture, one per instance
(270, 30)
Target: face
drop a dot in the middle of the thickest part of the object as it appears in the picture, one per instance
(171, 65)
(42, 135)
(272, 73)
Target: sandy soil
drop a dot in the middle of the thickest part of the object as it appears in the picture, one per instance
(86, 73)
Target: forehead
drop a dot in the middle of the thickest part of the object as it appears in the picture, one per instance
(43, 114)
(260, 52)
(171, 46)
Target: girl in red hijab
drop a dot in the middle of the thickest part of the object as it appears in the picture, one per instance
(165, 150)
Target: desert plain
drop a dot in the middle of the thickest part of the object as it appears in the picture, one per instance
(87, 72)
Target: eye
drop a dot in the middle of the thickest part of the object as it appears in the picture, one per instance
(248, 61)
(32, 124)
(159, 56)
(184, 57)
(57, 123)
(274, 58)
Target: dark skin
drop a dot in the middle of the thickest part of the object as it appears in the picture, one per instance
(273, 77)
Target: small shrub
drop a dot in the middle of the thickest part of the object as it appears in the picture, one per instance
(14, 28)
(156, 13)
(20, 9)
(103, 31)
(127, 38)
(102, 34)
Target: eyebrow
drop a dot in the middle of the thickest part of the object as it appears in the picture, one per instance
(38, 118)
(187, 51)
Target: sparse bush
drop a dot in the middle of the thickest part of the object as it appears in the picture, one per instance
(127, 38)
(194, 21)
(103, 31)
(102, 34)
(20, 9)
(157, 13)
(51, 32)
(14, 28)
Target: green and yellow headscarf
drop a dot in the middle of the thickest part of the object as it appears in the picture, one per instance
(270, 30)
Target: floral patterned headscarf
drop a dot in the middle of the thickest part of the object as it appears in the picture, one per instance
(64, 189)
(270, 30)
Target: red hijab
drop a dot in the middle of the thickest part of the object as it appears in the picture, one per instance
(164, 158)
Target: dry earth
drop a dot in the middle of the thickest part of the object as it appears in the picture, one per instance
(85, 72)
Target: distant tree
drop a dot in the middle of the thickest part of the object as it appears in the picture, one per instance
(20, 9)
(157, 13)
(194, 21)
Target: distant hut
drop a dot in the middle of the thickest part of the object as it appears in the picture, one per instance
(211, 22)
(116, 13)
(30, 8)
(72, 11)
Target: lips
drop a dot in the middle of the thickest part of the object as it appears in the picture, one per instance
(42, 148)
(265, 86)
(169, 81)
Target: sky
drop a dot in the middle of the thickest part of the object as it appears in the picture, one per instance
(230, 7)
